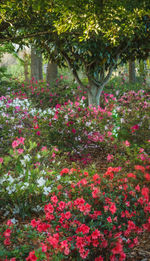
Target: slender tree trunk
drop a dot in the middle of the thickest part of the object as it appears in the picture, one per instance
(52, 71)
(26, 73)
(94, 94)
(40, 66)
(36, 65)
(132, 76)
(26, 63)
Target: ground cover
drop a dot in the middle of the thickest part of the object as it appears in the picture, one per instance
(74, 179)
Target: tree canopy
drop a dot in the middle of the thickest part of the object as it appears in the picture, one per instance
(95, 35)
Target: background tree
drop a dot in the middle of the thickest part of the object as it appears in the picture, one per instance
(132, 73)
(36, 64)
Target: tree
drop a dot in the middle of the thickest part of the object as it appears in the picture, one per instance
(51, 73)
(36, 64)
(132, 76)
(95, 36)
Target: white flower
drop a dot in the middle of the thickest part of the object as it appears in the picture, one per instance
(23, 163)
(10, 179)
(38, 156)
(47, 190)
(27, 157)
(41, 182)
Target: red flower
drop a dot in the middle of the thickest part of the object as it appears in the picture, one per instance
(7, 241)
(99, 258)
(49, 208)
(113, 208)
(147, 176)
(64, 171)
(145, 193)
(34, 223)
(109, 219)
(61, 205)
(134, 128)
(139, 167)
(83, 228)
(31, 256)
(95, 234)
(117, 249)
(54, 199)
(73, 130)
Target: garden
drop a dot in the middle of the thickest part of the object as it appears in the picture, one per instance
(74, 179)
(74, 150)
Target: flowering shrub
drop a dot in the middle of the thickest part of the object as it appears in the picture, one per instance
(94, 216)
(132, 117)
(27, 177)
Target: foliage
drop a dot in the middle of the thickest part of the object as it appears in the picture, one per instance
(96, 37)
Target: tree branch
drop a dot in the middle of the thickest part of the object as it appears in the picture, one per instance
(75, 74)
(24, 36)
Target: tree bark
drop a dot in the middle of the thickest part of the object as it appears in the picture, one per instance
(142, 69)
(26, 63)
(52, 72)
(36, 65)
(132, 75)
(40, 66)
(94, 94)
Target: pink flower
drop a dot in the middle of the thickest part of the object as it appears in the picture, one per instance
(7, 233)
(38, 133)
(110, 157)
(134, 128)
(49, 208)
(7, 241)
(73, 130)
(34, 223)
(66, 251)
(20, 151)
(1, 160)
(15, 143)
(64, 171)
(44, 247)
(127, 143)
(44, 148)
(109, 219)
(31, 256)
(21, 140)
(147, 176)
(54, 199)
(95, 234)
(113, 208)
(83, 228)
(62, 205)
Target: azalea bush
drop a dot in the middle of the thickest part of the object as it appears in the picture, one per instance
(28, 177)
(93, 216)
(132, 117)
(44, 95)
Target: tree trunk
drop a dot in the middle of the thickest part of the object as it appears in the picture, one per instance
(36, 65)
(52, 71)
(26, 63)
(94, 94)
(26, 73)
(132, 76)
(40, 66)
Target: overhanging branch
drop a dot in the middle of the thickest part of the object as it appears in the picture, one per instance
(75, 74)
